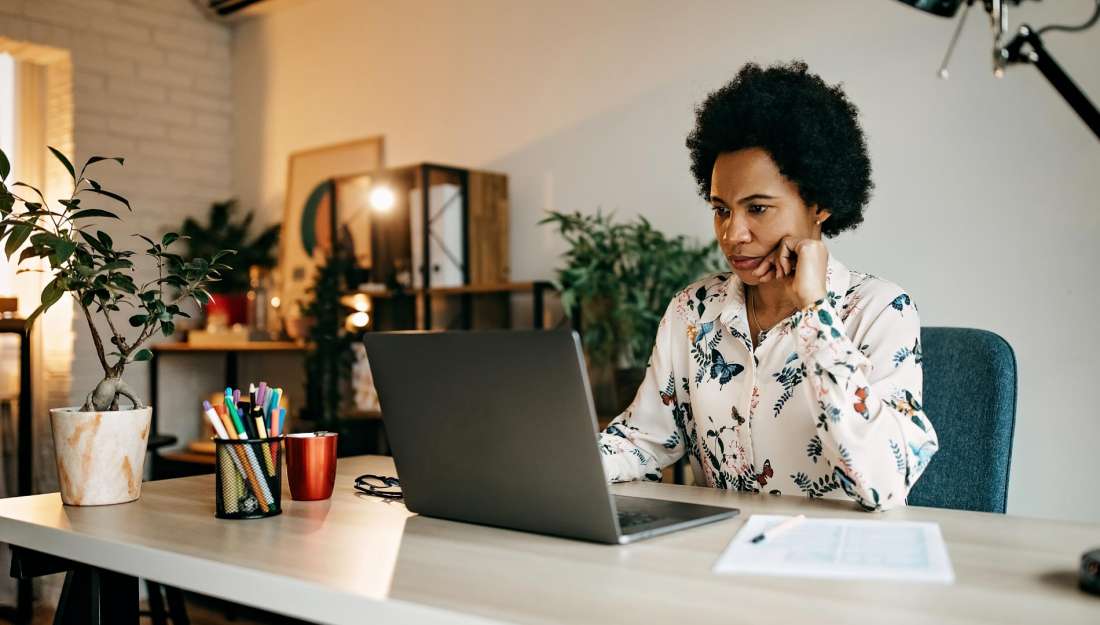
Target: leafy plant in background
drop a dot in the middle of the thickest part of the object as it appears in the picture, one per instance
(620, 277)
(221, 233)
(329, 362)
(85, 262)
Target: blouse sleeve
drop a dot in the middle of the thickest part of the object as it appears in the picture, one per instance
(647, 436)
(874, 433)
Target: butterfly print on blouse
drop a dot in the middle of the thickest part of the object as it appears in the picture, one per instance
(765, 473)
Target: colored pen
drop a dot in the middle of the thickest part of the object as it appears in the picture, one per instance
(243, 433)
(231, 407)
(772, 532)
(263, 494)
(219, 429)
(273, 411)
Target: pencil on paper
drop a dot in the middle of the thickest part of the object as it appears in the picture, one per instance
(772, 532)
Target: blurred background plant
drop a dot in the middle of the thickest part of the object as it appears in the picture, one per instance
(619, 277)
(220, 232)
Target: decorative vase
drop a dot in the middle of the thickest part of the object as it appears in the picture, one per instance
(227, 310)
(100, 454)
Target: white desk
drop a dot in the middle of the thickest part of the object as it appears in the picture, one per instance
(361, 560)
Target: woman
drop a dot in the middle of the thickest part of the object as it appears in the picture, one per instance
(791, 374)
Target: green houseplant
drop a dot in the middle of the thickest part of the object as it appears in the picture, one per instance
(328, 363)
(222, 232)
(94, 440)
(619, 277)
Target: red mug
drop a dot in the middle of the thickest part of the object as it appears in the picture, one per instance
(311, 465)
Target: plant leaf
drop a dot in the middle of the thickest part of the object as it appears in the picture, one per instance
(143, 355)
(28, 252)
(113, 196)
(62, 250)
(138, 320)
(5, 166)
(168, 238)
(96, 159)
(16, 238)
(94, 242)
(35, 189)
(64, 161)
(93, 212)
(50, 294)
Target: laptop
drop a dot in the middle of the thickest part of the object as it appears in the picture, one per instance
(498, 428)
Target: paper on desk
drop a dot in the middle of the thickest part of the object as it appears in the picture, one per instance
(841, 549)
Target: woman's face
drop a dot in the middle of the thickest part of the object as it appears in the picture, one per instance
(754, 208)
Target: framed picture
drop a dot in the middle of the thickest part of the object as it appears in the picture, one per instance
(312, 224)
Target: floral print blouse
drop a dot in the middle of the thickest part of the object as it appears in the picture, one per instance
(827, 405)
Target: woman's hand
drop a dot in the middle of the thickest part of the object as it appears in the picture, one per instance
(801, 264)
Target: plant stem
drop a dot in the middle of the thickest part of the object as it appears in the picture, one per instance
(96, 340)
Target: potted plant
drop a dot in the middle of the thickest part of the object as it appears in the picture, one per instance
(222, 232)
(619, 277)
(100, 446)
(330, 360)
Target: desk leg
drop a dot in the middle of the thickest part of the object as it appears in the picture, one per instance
(94, 596)
(537, 307)
(118, 598)
(24, 590)
(25, 421)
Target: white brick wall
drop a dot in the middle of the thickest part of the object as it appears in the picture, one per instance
(151, 82)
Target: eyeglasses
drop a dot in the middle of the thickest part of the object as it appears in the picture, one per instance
(382, 486)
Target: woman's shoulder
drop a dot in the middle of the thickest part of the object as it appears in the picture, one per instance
(707, 293)
(870, 294)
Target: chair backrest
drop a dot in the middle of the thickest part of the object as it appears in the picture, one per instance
(970, 397)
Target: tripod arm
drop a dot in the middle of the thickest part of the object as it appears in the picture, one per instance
(1014, 52)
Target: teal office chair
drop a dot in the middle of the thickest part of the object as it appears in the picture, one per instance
(970, 397)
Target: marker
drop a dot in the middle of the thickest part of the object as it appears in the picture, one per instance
(772, 532)
(273, 410)
(215, 420)
(239, 422)
(231, 406)
(263, 496)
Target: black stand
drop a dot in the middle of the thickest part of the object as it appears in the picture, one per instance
(24, 598)
(1038, 55)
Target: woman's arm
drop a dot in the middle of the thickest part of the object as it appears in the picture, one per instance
(874, 433)
(645, 438)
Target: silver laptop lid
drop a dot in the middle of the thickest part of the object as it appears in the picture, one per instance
(494, 427)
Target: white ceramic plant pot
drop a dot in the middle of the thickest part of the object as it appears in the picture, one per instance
(100, 455)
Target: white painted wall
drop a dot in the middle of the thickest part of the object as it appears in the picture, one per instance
(151, 82)
(986, 205)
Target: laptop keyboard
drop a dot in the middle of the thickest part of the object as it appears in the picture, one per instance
(630, 518)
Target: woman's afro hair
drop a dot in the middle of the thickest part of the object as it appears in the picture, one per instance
(810, 130)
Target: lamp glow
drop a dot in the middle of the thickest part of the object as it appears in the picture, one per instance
(359, 319)
(382, 199)
(361, 302)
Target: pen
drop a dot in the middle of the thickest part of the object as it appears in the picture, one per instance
(239, 422)
(262, 493)
(231, 407)
(261, 393)
(273, 411)
(776, 530)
